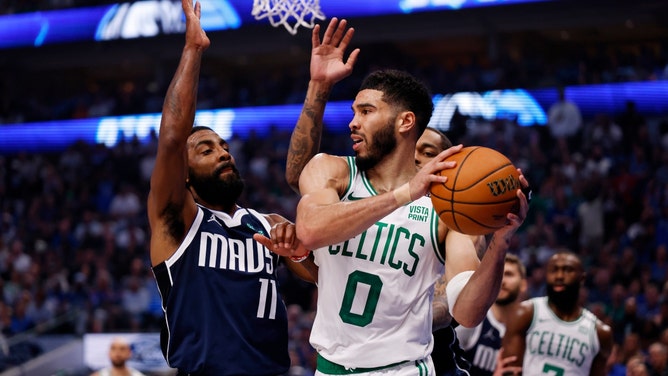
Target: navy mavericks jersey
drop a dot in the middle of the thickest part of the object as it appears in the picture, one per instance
(483, 344)
(447, 355)
(223, 312)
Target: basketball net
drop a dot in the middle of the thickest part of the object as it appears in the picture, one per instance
(289, 13)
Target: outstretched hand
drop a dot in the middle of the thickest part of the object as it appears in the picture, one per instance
(195, 35)
(283, 240)
(327, 55)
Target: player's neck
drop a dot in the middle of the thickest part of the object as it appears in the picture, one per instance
(501, 312)
(392, 172)
(566, 313)
(120, 371)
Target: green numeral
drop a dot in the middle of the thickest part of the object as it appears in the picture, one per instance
(548, 368)
(375, 285)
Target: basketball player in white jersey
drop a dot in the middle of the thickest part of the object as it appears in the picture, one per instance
(377, 241)
(554, 334)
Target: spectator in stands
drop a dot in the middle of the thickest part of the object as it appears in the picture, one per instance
(565, 121)
(119, 353)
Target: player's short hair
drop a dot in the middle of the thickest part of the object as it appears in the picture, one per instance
(403, 90)
(513, 259)
(197, 128)
(445, 141)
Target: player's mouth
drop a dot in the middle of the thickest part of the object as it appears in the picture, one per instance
(559, 288)
(224, 169)
(357, 142)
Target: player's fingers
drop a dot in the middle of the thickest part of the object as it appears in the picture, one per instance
(509, 359)
(198, 9)
(347, 37)
(278, 233)
(352, 59)
(339, 33)
(327, 39)
(290, 237)
(265, 241)
(315, 36)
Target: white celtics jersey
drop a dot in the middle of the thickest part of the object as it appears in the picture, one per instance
(375, 290)
(556, 347)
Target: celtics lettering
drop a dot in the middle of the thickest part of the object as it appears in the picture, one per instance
(557, 345)
(385, 244)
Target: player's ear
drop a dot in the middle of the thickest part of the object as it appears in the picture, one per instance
(405, 121)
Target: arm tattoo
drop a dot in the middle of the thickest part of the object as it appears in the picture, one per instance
(441, 312)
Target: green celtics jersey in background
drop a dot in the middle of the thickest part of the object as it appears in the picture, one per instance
(559, 348)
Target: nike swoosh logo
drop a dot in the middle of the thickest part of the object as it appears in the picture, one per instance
(353, 198)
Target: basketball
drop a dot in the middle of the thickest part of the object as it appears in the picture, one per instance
(480, 191)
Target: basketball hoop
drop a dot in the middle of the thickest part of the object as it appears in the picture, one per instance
(289, 13)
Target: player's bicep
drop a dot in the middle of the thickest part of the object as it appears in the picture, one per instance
(168, 178)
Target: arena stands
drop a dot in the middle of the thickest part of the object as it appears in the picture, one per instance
(73, 231)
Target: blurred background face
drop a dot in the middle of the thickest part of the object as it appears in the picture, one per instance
(512, 285)
(563, 278)
(427, 147)
(119, 353)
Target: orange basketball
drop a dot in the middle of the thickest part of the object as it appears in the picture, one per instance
(480, 191)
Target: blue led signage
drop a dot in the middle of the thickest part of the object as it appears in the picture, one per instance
(148, 18)
(529, 107)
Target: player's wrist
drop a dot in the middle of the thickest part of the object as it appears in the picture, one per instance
(300, 258)
(402, 195)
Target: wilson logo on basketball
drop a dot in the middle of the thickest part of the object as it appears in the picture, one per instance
(501, 186)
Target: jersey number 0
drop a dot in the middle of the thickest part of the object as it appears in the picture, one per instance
(355, 279)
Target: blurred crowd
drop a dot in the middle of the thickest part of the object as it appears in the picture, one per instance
(27, 96)
(73, 227)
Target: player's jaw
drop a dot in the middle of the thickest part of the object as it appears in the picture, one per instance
(507, 295)
(383, 142)
(220, 188)
(563, 294)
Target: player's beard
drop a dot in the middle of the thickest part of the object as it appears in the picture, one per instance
(566, 299)
(118, 363)
(384, 143)
(511, 297)
(216, 190)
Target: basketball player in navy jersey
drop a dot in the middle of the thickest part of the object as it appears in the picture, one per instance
(554, 334)
(483, 342)
(223, 312)
(390, 323)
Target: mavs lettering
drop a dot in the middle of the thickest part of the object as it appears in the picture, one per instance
(485, 357)
(217, 251)
(382, 248)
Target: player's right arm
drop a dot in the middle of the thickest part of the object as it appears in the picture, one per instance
(171, 207)
(604, 333)
(517, 326)
(322, 219)
(327, 68)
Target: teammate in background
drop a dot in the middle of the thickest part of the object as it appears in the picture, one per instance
(119, 353)
(554, 334)
(483, 342)
(223, 313)
(390, 264)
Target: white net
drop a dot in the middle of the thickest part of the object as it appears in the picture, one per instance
(289, 13)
